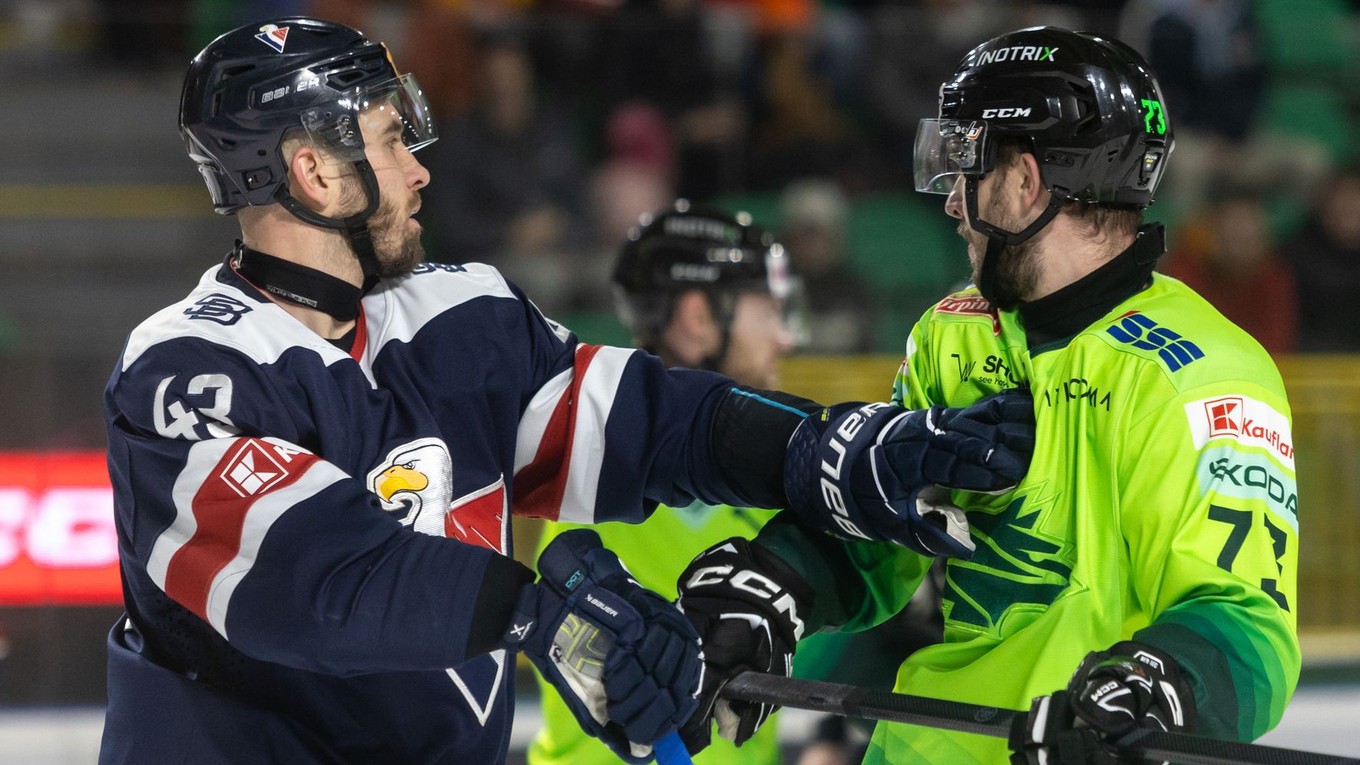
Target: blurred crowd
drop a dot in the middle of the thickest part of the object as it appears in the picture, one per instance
(563, 120)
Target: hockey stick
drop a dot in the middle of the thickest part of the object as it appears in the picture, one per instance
(850, 701)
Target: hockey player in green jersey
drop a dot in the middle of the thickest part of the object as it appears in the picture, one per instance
(1143, 574)
(733, 315)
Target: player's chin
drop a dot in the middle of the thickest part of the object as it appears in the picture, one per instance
(403, 259)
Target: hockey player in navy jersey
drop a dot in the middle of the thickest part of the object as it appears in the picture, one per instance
(315, 453)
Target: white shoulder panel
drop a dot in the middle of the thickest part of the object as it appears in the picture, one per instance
(223, 315)
(398, 308)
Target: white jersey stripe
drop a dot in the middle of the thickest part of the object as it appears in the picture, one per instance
(595, 399)
(203, 457)
(534, 421)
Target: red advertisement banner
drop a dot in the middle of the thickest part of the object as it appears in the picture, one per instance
(57, 538)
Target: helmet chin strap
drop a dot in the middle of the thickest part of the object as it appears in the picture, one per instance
(723, 309)
(998, 238)
(355, 227)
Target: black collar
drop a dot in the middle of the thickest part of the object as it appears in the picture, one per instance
(1055, 319)
(298, 284)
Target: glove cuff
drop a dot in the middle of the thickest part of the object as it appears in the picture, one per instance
(822, 453)
(523, 624)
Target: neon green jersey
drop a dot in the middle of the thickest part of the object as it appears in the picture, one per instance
(655, 551)
(1160, 506)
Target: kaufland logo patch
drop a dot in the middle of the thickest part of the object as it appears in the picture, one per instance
(274, 36)
(1244, 420)
(253, 469)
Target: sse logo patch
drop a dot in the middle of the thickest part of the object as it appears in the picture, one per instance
(1133, 328)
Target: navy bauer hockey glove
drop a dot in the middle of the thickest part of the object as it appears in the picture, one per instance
(857, 471)
(748, 606)
(625, 660)
(1113, 693)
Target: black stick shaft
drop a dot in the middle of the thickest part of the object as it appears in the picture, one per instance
(850, 701)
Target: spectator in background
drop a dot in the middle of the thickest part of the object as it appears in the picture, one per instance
(1227, 254)
(914, 47)
(813, 225)
(1325, 254)
(798, 128)
(511, 192)
(636, 177)
(658, 51)
(1210, 58)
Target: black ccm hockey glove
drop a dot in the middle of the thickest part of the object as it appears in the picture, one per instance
(1132, 686)
(748, 608)
(858, 471)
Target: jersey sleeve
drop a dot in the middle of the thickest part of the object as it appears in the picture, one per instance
(1210, 519)
(609, 433)
(288, 558)
(614, 434)
(914, 386)
(856, 585)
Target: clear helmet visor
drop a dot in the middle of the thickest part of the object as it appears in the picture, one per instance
(789, 295)
(944, 150)
(382, 115)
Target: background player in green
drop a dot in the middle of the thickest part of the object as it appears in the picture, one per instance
(1143, 574)
(725, 314)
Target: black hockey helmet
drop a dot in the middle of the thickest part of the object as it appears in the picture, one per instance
(1089, 108)
(685, 247)
(248, 89)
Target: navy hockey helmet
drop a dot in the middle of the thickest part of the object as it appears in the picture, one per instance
(1089, 108)
(251, 86)
(686, 247)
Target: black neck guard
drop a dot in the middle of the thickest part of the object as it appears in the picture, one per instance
(298, 284)
(1056, 318)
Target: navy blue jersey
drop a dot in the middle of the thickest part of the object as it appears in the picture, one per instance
(267, 486)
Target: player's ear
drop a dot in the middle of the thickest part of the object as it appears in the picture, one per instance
(308, 181)
(692, 315)
(1032, 190)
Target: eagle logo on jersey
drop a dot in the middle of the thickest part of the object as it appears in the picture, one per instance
(416, 482)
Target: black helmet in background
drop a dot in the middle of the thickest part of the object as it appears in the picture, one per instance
(253, 87)
(686, 248)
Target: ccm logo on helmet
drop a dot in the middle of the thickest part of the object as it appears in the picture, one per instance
(1016, 111)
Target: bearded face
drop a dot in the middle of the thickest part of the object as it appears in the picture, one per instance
(1016, 272)
(396, 235)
